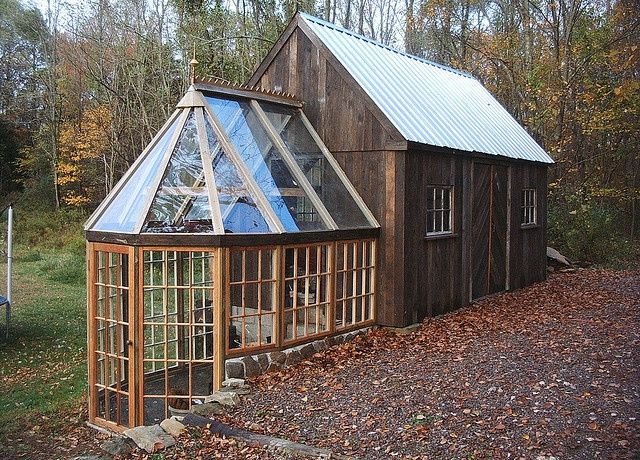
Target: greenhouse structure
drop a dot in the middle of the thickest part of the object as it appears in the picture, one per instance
(234, 233)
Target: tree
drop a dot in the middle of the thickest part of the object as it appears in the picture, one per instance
(21, 59)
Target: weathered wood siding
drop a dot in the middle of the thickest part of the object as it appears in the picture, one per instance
(336, 106)
(436, 277)
(489, 229)
(338, 110)
(528, 246)
(440, 272)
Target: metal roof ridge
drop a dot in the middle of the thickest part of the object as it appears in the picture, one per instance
(341, 29)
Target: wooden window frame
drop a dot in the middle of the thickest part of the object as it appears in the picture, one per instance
(320, 274)
(188, 361)
(439, 231)
(529, 208)
(365, 297)
(124, 347)
(274, 280)
(361, 271)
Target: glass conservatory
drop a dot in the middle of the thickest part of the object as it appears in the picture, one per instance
(234, 233)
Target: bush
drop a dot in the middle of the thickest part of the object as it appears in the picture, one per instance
(586, 230)
(50, 229)
(66, 268)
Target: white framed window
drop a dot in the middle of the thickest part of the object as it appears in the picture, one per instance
(439, 210)
(528, 207)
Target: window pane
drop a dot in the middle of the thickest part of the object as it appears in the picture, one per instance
(122, 213)
(238, 208)
(439, 204)
(181, 203)
(310, 158)
(528, 206)
(447, 221)
(266, 164)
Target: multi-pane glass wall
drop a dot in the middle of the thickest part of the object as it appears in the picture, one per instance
(355, 265)
(109, 294)
(252, 298)
(163, 320)
(307, 278)
(178, 329)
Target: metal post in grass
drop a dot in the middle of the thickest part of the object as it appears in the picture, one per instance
(9, 263)
(6, 301)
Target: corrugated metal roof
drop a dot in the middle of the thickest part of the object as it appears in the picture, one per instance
(427, 102)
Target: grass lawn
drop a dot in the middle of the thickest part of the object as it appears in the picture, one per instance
(43, 364)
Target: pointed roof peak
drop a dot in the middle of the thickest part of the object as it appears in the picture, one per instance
(192, 98)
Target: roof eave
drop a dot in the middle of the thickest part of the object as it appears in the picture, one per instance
(413, 145)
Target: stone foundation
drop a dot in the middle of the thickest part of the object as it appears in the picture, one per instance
(252, 365)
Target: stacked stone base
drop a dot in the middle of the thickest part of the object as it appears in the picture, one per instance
(252, 365)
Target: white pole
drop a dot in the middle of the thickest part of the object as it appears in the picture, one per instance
(9, 263)
(9, 252)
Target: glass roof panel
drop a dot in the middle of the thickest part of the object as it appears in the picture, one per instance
(121, 215)
(181, 204)
(320, 173)
(239, 211)
(288, 200)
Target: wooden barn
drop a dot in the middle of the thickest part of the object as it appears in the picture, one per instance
(457, 185)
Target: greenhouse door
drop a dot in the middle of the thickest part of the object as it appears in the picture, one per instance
(111, 399)
(179, 341)
(489, 229)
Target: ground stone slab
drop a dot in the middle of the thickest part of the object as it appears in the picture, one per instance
(329, 341)
(117, 445)
(90, 457)
(208, 408)
(233, 383)
(293, 357)
(172, 426)
(263, 361)
(308, 350)
(251, 366)
(234, 369)
(150, 438)
(239, 391)
(226, 398)
(277, 357)
(292, 448)
(555, 256)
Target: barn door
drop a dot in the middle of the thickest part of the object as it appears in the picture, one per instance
(489, 244)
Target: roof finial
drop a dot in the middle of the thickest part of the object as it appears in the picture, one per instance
(194, 62)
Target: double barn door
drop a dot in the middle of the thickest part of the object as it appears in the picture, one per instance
(489, 229)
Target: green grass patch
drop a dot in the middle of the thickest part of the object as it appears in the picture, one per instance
(43, 363)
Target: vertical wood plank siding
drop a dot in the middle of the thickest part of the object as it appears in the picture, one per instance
(435, 275)
(528, 262)
(416, 276)
(443, 274)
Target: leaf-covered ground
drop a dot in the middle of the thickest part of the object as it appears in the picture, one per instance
(547, 371)
(550, 370)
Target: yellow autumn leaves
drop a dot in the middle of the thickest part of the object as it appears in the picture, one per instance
(81, 142)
